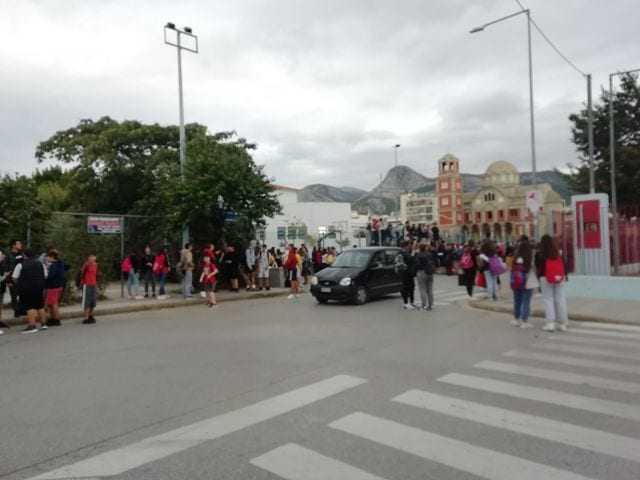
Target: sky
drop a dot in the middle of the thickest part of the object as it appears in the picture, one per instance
(325, 88)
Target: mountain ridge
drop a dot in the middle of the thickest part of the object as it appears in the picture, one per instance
(384, 198)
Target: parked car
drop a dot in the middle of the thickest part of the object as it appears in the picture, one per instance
(358, 275)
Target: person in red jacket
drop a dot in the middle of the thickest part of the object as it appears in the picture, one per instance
(208, 279)
(89, 275)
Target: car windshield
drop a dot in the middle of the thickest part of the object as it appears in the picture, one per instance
(352, 259)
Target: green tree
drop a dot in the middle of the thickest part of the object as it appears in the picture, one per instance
(627, 140)
(20, 209)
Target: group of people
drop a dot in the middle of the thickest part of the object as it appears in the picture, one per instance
(228, 265)
(527, 267)
(416, 264)
(36, 284)
(147, 267)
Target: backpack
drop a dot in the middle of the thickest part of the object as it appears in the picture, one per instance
(400, 266)
(126, 265)
(466, 262)
(518, 278)
(497, 266)
(554, 270)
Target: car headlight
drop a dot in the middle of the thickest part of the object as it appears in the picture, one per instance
(314, 280)
(345, 282)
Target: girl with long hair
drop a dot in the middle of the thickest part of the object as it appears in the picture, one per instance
(552, 274)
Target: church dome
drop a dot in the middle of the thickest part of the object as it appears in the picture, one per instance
(501, 173)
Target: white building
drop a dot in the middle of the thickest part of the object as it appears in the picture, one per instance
(307, 222)
(417, 208)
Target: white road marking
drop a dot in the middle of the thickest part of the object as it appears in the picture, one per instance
(479, 461)
(541, 427)
(294, 462)
(609, 326)
(573, 361)
(595, 341)
(605, 333)
(545, 395)
(558, 347)
(115, 462)
(560, 376)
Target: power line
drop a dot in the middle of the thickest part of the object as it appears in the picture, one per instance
(551, 44)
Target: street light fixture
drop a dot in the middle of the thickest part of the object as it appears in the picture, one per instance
(395, 152)
(171, 33)
(612, 160)
(531, 113)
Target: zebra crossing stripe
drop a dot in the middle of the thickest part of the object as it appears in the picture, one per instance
(545, 395)
(606, 333)
(611, 326)
(574, 362)
(595, 341)
(560, 376)
(120, 460)
(559, 347)
(456, 454)
(294, 462)
(541, 427)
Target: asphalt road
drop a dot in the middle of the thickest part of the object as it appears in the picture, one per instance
(271, 389)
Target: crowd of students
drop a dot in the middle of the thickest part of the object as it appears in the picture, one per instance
(36, 284)
(528, 267)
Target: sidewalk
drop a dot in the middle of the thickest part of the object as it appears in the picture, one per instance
(580, 309)
(114, 304)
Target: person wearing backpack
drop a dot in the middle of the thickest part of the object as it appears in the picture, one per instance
(552, 274)
(469, 267)
(492, 266)
(425, 269)
(523, 280)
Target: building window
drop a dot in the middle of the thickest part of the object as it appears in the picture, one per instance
(444, 185)
(489, 197)
(467, 218)
(514, 214)
(458, 185)
(500, 214)
(458, 202)
(478, 217)
(489, 216)
(445, 201)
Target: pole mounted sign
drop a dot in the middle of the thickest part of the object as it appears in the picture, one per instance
(103, 225)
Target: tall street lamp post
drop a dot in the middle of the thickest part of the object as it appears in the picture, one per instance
(480, 28)
(612, 160)
(395, 153)
(173, 36)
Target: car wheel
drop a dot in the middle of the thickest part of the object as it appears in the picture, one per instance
(322, 300)
(361, 296)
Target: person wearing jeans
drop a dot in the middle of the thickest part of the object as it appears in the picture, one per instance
(186, 265)
(160, 270)
(522, 293)
(553, 295)
(146, 271)
(425, 270)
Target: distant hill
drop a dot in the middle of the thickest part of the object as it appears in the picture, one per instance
(385, 197)
(326, 193)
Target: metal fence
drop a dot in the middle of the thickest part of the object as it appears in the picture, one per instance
(629, 239)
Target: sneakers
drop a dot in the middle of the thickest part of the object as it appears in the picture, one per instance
(549, 327)
(408, 306)
(291, 296)
(43, 327)
(30, 329)
(53, 322)
(526, 325)
(562, 327)
(1, 332)
(516, 323)
(89, 321)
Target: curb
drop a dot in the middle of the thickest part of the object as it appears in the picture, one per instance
(142, 307)
(539, 313)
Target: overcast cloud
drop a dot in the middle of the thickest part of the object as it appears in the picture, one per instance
(324, 87)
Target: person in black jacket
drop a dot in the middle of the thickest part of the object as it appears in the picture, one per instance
(407, 270)
(54, 284)
(146, 272)
(29, 278)
(4, 273)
